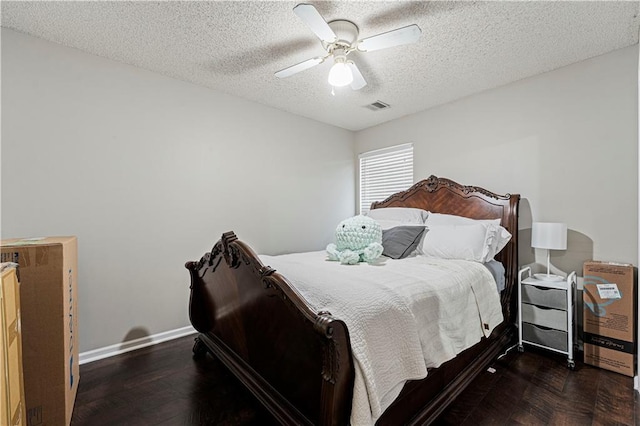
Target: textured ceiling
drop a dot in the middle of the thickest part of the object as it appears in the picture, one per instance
(235, 47)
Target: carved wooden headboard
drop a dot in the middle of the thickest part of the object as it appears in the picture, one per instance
(440, 195)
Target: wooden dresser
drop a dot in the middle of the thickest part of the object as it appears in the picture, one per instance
(12, 403)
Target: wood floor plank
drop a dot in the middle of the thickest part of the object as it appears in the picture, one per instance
(526, 364)
(499, 401)
(470, 398)
(615, 400)
(536, 406)
(551, 375)
(584, 382)
(164, 385)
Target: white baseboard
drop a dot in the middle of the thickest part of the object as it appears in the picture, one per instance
(132, 345)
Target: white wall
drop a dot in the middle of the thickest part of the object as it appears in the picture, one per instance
(148, 172)
(565, 140)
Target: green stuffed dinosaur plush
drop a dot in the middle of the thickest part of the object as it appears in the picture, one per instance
(358, 239)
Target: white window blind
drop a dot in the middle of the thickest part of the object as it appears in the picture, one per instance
(384, 172)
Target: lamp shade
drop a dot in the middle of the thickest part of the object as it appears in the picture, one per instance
(551, 236)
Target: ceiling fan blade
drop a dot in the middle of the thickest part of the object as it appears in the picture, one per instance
(294, 69)
(404, 35)
(315, 22)
(358, 80)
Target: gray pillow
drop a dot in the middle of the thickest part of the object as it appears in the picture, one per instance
(401, 241)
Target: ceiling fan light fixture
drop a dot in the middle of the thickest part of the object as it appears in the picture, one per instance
(341, 37)
(340, 74)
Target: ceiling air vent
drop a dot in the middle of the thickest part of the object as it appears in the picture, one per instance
(378, 105)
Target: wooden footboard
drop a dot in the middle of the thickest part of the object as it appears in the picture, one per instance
(295, 361)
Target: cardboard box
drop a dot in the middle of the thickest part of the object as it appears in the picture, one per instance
(49, 295)
(12, 406)
(609, 298)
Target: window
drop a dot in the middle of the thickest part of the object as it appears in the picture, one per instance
(384, 172)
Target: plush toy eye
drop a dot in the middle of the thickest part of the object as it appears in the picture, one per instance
(364, 227)
(343, 226)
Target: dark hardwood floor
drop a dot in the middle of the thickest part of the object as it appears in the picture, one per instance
(164, 385)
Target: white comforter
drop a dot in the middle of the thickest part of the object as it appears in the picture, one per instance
(404, 316)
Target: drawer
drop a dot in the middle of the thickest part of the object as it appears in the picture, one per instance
(550, 338)
(542, 296)
(546, 317)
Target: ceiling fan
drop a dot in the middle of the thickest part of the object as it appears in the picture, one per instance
(339, 38)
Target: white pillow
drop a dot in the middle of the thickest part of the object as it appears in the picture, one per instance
(405, 215)
(464, 242)
(502, 236)
(450, 219)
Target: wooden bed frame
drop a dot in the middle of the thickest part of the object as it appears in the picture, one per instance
(298, 362)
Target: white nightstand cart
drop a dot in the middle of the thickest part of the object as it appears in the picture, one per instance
(546, 313)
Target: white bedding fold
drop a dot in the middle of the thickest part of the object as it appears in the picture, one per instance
(404, 316)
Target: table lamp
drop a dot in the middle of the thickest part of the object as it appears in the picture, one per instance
(549, 236)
